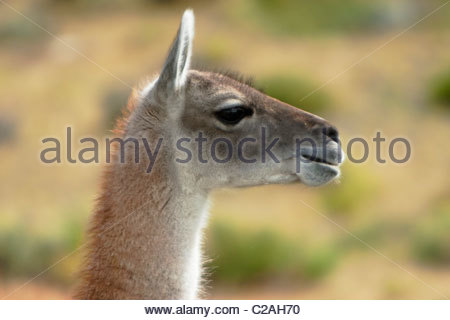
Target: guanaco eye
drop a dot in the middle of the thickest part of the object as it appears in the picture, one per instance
(234, 114)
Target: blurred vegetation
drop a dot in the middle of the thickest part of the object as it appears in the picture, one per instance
(347, 198)
(431, 238)
(295, 90)
(240, 257)
(24, 252)
(214, 55)
(19, 31)
(300, 17)
(8, 129)
(86, 6)
(440, 90)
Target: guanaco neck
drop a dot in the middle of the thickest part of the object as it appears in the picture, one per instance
(145, 236)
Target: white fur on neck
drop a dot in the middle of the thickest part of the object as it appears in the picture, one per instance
(194, 262)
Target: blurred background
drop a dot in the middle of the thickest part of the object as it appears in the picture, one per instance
(265, 242)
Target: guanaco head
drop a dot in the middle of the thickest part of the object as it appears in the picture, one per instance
(224, 133)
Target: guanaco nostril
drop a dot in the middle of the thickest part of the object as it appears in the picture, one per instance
(332, 133)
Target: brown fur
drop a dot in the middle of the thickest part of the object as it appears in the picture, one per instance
(117, 219)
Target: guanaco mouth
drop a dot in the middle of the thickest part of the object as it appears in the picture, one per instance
(315, 158)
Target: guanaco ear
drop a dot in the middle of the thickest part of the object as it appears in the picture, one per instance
(174, 73)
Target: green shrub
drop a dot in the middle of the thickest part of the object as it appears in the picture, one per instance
(8, 129)
(293, 89)
(23, 253)
(213, 54)
(356, 188)
(299, 17)
(242, 257)
(320, 261)
(81, 6)
(431, 238)
(239, 257)
(20, 30)
(440, 90)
